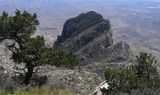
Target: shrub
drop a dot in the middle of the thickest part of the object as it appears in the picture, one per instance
(146, 66)
(142, 75)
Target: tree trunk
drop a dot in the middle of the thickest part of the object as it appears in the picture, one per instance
(28, 75)
(148, 73)
(20, 42)
(129, 92)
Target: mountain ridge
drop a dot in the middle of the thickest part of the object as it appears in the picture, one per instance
(94, 43)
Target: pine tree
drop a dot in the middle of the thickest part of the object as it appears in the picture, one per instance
(146, 65)
(26, 49)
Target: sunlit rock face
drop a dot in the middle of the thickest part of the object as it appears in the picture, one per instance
(88, 30)
(82, 30)
(90, 37)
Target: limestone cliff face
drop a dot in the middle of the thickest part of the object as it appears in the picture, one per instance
(119, 52)
(90, 37)
(82, 30)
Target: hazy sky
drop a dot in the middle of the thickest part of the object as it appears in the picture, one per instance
(130, 17)
(36, 5)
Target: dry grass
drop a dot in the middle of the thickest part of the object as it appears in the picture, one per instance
(37, 91)
(2, 92)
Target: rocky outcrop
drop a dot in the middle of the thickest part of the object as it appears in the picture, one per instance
(7, 71)
(90, 37)
(101, 89)
(83, 30)
(115, 56)
(5, 57)
(120, 52)
(80, 81)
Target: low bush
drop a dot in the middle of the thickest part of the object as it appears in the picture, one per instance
(139, 77)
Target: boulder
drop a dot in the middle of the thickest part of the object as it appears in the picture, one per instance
(101, 89)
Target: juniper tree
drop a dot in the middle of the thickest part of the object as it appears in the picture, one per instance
(146, 65)
(30, 50)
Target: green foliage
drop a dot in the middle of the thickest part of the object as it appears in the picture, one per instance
(37, 91)
(29, 50)
(146, 65)
(120, 79)
(125, 80)
(58, 58)
(32, 52)
(18, 27)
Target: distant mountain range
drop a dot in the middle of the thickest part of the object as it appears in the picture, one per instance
(133, 21)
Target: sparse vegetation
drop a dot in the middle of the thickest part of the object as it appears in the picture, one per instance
(142, 75)
(37, 91)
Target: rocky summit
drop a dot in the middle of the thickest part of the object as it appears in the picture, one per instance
(79, 32)
(89, 36)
